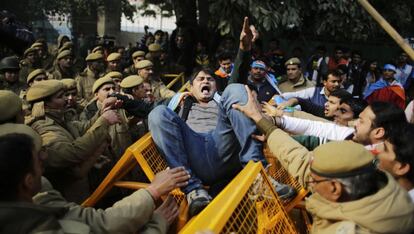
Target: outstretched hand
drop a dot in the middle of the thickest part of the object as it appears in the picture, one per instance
(168, 180)
(271, 110)
(248, 35)
(252, 108)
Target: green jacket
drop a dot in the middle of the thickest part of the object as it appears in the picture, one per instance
(390, 210)
(72, 151)
(51, 213)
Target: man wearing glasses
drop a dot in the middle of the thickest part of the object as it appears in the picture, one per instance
(349, 193)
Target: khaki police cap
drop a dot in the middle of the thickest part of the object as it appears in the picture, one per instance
(66, 46)
(35, 73)
(93, 57)
(98, 48)
(10, 105)
(113, 57)
(341, 159)
(36, 44)
(143, 64)
(68, 83)
(28, 51)
(10, 128)
(101, 81)
(114, 74)
(138, 53)
(63, 54)
(131, 81)
(293, 61)
(43, 90)
(154, 47)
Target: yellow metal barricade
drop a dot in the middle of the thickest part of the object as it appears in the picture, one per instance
(280, 174)
(175, 78)
(152, 162)
(248, 204)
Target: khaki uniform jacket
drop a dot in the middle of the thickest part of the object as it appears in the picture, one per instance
(58, 74)
(85, 82)
(390, 210)
(51, 213)
(17, 87)
(160, 91)
(25, 69)
(288, 86)
(47, 62)
(131, 70)
(73, 148)
(119, 133)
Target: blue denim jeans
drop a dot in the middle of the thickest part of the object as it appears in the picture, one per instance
(210, 157)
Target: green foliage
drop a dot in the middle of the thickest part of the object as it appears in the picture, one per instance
(331, 19)
(29, 10)
(163, 7)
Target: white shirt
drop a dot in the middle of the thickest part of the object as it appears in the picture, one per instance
(409, 111)
(328, 130)
(304, 93)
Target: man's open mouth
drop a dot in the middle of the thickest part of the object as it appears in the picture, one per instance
(205, 90)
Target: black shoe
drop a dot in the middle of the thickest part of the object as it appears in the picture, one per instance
(197, 200)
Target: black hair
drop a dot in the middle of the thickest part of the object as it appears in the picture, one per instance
(16, 159)
(197, 70)
(224, 56)
(387, 116)
(401, 138)
(321, 47)
(357, 105)
(341, 94)
(335, 73)
(127, 90)
(339, 48)
(159, 32)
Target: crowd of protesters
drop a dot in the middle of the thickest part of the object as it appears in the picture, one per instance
(340, 124)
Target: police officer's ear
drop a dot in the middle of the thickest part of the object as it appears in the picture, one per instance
(336, 191)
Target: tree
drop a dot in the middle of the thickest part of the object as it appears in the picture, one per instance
(82, 11)
(339, 20)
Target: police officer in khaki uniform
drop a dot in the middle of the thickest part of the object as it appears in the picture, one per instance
(61, 40)
(64, 67)
(29, 62)
(134, 86)
(86, 79)
(46, 59)
(9, 74)
(72, 109)
(120, 137)
(294, 79)
(159, 90)
(73, 147)
(36, 76)
(349, 193)
(136, 57)
(117, 78)
(31, 203)
(10, 108)
(113, 62)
